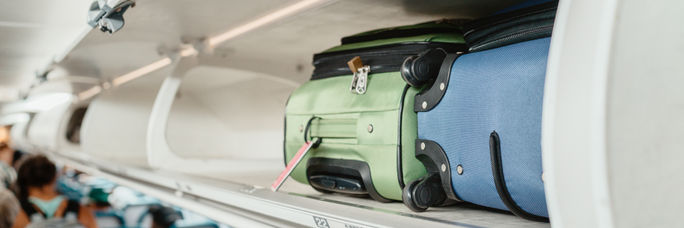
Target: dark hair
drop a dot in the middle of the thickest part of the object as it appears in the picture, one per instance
(163, 217)
(35, 171)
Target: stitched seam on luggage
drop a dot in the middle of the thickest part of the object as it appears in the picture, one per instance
(349, 112)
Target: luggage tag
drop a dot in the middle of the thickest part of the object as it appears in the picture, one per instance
(293, 163)
(360, 79)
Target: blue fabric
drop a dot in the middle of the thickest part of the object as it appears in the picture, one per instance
(48, 207)
(495, 90)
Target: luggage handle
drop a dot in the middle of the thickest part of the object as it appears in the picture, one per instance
(337, 128)
(306, 131)
(500, 181)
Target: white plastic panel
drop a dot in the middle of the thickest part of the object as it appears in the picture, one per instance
(114, 128)
(287, 46)
(613, 115)
(18, 134)
(645, 115)
(11, 119)
(44, 131)
(220, 113)
(222, 121)
(152, 24)
(573, 121)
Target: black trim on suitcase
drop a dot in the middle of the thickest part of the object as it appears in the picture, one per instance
(513, 27)
(400, 163)
(397, 33)
(381, 59)
(285, 132)
(487, 22)
(500, 181)
(433, 95)
(285, 141)
(432, 157)
(343, 168)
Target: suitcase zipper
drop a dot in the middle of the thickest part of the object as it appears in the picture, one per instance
(381, 59)
(492, 21)
(360, 80)
(440, 26)
(532, 33)
(514, 27)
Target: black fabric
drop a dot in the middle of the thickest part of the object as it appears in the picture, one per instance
(448, 26)
(72, 206)
(381, 59)
(490, 21)
(513, 27)
(164, 216)
(28, 208)
(395, 34)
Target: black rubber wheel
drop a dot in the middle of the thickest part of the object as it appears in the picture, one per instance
(408, 197)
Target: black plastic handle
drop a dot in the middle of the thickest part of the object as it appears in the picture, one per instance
(500, 181)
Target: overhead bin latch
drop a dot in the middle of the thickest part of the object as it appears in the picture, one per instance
(360, 78)
(106, 18)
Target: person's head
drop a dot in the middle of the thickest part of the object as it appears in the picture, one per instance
(36, 172)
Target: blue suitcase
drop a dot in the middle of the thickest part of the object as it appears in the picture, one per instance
(479, 123)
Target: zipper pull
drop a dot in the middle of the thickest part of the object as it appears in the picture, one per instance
(362, 81)
(360, 78)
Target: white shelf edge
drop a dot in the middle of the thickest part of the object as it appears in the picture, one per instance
(242, 205)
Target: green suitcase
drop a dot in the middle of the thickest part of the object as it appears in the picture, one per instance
(365, 120)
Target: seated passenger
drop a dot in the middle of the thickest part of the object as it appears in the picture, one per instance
(7, 173)
(38, 197)
(9, 207)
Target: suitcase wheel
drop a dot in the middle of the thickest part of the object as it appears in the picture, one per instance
(423, 193)
(408, 195)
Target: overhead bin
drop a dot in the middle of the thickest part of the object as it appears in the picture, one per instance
(115, 125)
(219, 120)
(18, 123)
(44, 129)
(69, 134)
(72, 132)
(18, 134)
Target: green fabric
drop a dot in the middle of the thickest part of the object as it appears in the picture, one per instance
(99, 195)
(345, 118)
